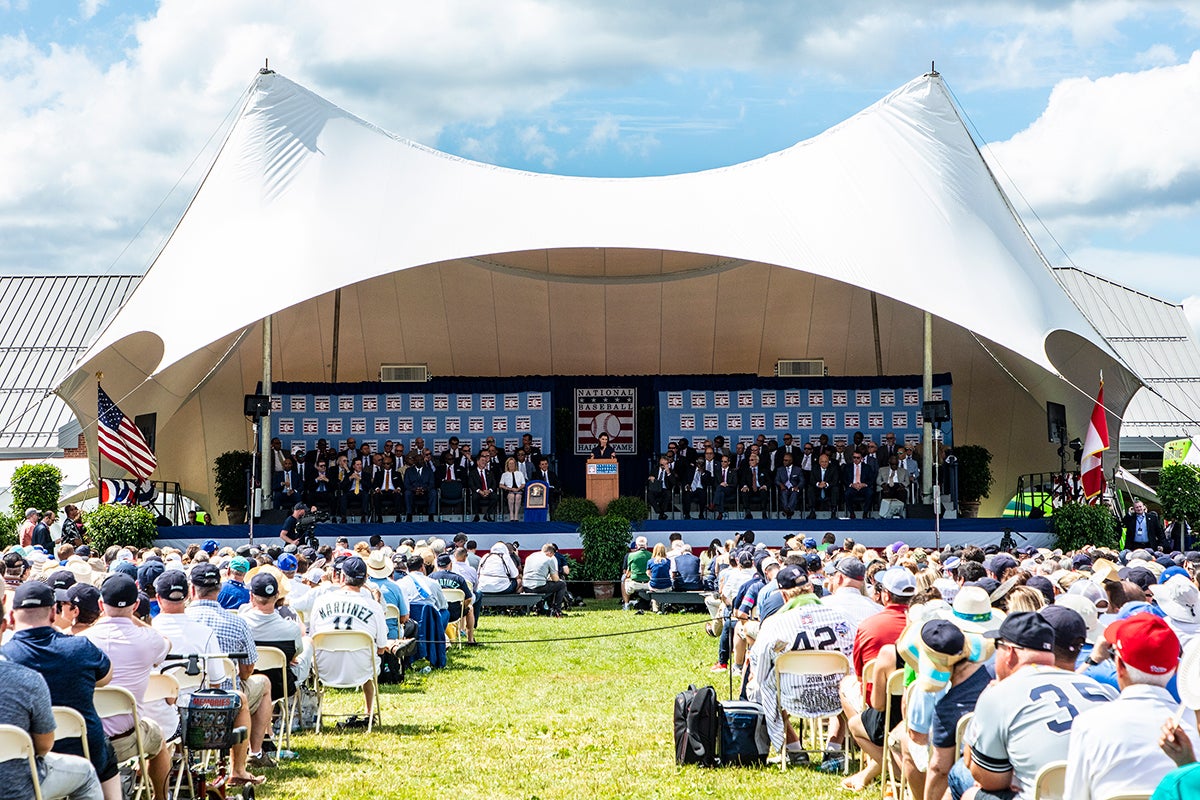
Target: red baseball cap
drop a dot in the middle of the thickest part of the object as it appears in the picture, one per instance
(1145, 642)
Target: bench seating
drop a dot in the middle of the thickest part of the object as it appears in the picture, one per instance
(660, 600)
(511, 602)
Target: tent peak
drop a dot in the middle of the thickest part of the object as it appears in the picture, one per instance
(266, 68)
(933, 73)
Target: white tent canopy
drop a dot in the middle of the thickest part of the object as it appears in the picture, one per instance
(679, 274)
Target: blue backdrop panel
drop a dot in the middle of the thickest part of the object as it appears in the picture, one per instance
(806, 412)
(300, 418)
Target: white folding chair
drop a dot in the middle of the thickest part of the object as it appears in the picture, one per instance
(808, 662)
(889, 781)
(274, 658)
(69, 724)
(16, 743)
(113, 701)
(960, 731)
(1051, 781)
(460, 597)
(346, 642)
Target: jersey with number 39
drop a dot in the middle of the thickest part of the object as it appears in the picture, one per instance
(1024, 722)
(808, 627)
(347, 610)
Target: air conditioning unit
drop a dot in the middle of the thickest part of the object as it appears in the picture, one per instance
(800, 368)
(403, 373)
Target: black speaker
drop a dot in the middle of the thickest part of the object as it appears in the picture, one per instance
(258, 405)
(1056, 423)
(920, 511)
(935, 411)
(148, 425)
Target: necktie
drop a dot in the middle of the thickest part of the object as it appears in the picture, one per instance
(287, 481)
(662, 476)
(754, 477)
(483, 479)
(449, 477)
(355, 480)
(858, 473)
(387, 480)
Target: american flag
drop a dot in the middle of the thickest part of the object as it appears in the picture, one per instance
(120, 440)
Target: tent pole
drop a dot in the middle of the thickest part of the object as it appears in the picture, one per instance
(265, 470)
(929, 446)
(875, 325)
(337, 331)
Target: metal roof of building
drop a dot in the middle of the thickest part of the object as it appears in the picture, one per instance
(50, 320)
(1156, 340)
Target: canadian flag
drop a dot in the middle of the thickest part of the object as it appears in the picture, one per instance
(1091, 467)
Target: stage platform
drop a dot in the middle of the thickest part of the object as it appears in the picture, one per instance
(698, 533)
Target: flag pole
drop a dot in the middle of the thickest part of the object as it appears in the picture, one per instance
(99, 483)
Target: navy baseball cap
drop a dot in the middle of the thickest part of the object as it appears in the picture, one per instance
(1027, 629)
(264, 585)
(119, 591)
(62, 579)
(85, 597)
(206, 576)
(172, 585)
(33, 594)
(791, 576)
(354, 568)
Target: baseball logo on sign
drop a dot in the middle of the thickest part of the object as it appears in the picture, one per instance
(321, 404)
(345, 405)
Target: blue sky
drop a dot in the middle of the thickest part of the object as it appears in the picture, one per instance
(1088, 109)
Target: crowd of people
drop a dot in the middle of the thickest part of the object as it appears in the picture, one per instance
(83, 620)
(1056, 657)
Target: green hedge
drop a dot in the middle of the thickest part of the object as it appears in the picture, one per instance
(634, 509)
(35, 486)
(8, 530)
(575, 510)
(605, 542)
(1075, 525)
(120, 525)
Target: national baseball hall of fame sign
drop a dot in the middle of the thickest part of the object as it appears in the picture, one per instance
(606, 410)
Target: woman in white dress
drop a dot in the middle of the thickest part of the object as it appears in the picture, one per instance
(512, 483)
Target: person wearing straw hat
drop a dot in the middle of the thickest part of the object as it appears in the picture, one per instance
(1022, 722)
(1114, 750)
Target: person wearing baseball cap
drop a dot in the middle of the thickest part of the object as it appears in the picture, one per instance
(1114, 750)
(270, 629)
(844, 587)
(1019, 724)
(234, 593)
(350, 607)
(447, 578)
(71, 666)
(135, 651)
(802, 624)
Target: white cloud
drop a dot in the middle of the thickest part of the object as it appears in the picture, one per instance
(604, 132)
(1115, 151)
(1158, 55)
(89, 144)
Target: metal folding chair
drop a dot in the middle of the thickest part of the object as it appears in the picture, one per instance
(1051, 781)
(274, 658)
(113, 701)
(889, 781)
(69, 724)
(809, 662)
(460, 597)
(345, 642)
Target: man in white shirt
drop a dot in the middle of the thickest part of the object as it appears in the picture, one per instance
(1114, 750)
(541, 577)
(134, 650)
(845, 591)
(349, 608)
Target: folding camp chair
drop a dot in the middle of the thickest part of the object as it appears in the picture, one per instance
(69, 724)
(888, 780)
(456, 629)
(274, 658)
(1051, 781)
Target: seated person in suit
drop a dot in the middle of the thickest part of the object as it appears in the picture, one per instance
(484, 488)
(725, 486)
(892, 486)
(660, 485)
(755, 485)
(420, 487)
(356, 493)
(696, 483)
(789, 479)
(824, 487)
(320, 487)
(386, 485)
(549, 477)
(858, 479)
(287, 486)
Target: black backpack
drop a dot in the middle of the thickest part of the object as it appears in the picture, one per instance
(697, 722)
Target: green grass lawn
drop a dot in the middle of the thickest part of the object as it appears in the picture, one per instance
(556, 719)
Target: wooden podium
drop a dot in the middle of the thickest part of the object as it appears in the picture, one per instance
(603, 484)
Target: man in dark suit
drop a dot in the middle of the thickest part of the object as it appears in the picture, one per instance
(788, 446)
(789, 480)
(695, 481)
(755, 486)
(483, 489)
(287, 487)
(549, 477)
(660, 485)
(886, 450)
(824, 487)
(1143, 528)
(386, 484)
(725, 486)
(685, 451)
(420, 489)
(858, 481)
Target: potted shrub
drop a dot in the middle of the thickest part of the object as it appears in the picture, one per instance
(120, 525)
(35, 486)
(634, 509)
(605, 542)
(575, 510)
(974, 477)
(229, 471)
(1076, 525)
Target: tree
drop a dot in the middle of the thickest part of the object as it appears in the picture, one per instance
(120, 525)
(35, 486)
(1179, 492)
